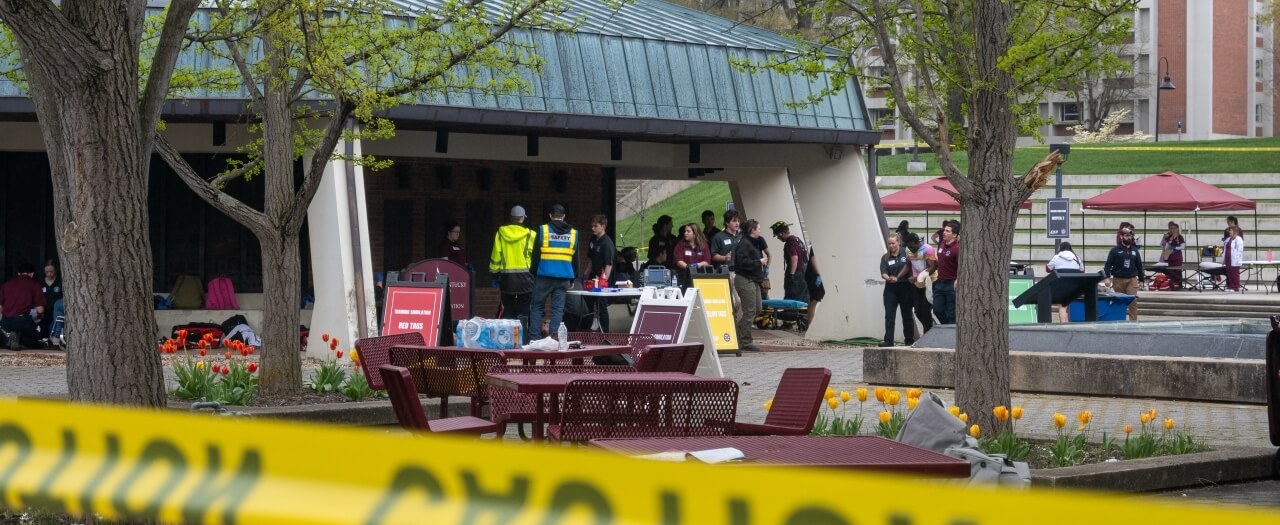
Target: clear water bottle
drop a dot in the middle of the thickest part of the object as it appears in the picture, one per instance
(562, 334)
(675, 281)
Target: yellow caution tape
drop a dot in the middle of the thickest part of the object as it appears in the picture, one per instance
(121, 463)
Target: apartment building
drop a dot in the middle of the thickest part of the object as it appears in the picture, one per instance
(1220, 64)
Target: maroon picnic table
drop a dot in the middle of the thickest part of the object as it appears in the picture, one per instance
(848, 452)
(552, 385)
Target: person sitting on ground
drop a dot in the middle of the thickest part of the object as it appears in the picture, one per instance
(1065, 261)
(21, 307)
(51, 285)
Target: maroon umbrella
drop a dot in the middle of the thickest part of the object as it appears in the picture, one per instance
(925, 197)
(1170, 191)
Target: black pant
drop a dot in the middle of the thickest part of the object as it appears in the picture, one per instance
(924, 310)
(516, 306)
(900, 297)
(23, 327)
(600, 307)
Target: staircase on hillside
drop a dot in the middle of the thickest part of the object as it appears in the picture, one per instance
(1187, 305)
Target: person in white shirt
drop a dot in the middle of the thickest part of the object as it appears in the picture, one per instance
(1233, 253)
(1065, 261)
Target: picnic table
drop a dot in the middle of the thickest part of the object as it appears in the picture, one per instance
(530, 357)
(844, 452)
(547, 388)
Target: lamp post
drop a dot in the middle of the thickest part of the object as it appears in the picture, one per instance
(1166, 83)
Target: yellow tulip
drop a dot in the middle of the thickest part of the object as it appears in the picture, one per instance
(862, 394)
(1059, 420)
(975, 431)
(1084, 417)
(355, 357)
(768, 404)
(885, 417)
(880, 393)
(1145, 418)
(955, 410)
(1151, 414)
(912, 402)
(1001, 413)
(1168, 424)
(893, 398)
(1017, 412)
(833, 403)
(831, 392)
(845, 396)
(964, 417)
(1128, 429)
(914, 393)
(200, 365)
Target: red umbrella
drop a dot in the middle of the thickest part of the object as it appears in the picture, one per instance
(1168, 191)
(925, 197)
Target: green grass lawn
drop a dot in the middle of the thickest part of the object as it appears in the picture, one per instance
(1185, 157)
(683, 207)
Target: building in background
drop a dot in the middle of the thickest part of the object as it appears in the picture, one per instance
(1220, 59)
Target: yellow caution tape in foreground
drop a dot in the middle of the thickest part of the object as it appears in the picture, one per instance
(200, 468)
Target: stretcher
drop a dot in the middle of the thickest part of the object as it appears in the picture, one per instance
(783, 313)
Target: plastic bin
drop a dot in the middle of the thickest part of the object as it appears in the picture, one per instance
(1110, 308)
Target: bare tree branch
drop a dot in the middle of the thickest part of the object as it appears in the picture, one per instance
(162, 65)
(315, 172)
(225, 203)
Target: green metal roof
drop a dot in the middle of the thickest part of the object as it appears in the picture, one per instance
(649, 68)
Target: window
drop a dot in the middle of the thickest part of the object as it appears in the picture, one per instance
(1068, 112)
(882, 117)
(1257, 114)
(1258, 69)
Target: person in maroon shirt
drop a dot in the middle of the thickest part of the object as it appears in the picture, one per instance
(452, 248)
(692, 253)
(20, 298)
(944, 290)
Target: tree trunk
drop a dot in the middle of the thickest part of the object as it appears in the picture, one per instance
(82, 69)
(281, 267)
(281, 293)
(988, 212)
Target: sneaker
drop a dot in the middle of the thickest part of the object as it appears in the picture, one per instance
(13, 340)
(750, 348)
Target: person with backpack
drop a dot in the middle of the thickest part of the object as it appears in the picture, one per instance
(795, 260)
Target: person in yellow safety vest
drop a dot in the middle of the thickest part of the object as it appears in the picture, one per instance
(555, 266)
(512, 256)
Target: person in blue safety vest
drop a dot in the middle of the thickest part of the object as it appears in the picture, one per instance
(554, 266)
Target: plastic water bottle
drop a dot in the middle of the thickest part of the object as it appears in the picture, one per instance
(675, 282)
(562, 334)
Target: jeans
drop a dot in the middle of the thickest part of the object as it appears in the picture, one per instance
(516, 306)
(899, 299)
(59, 319)
(543, 287)
(924, 310)
(749, 292)
(944, 301)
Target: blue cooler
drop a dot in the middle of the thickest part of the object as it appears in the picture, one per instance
(1110, 308)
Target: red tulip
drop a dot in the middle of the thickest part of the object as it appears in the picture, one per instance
(339, 353)
(202, 352)
(335, 341)
(160, 347)
(333, 344)
(251, 349)
(324, 337)
(253, 367)
(226, 370)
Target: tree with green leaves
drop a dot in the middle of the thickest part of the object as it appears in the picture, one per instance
(319, 72)
(98, 100)
(969, 74)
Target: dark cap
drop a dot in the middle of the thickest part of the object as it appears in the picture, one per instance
(665, 219)
(912, 238)
(780, 226)
(557, 210)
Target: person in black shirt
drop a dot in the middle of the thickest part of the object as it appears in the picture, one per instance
(748, 267)
(709, 229)
(899, 293)
(601, 253)
(663, 240)
(1124, 269)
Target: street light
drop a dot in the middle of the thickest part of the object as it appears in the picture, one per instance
(1167, 83)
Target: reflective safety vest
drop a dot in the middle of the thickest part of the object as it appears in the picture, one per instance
(556, 253)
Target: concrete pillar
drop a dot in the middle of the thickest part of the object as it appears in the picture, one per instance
(340, 255)
(842, 225)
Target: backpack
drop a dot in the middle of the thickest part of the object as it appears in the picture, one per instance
(195, 332)
(222, 295)
(187, 294)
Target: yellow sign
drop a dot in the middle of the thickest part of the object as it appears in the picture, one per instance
(198, 468)
(717, 301)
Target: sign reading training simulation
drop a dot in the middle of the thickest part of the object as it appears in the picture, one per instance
(413, 309)
(1058, 219)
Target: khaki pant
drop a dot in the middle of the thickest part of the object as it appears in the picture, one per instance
(750, 295)
(1128, 285)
